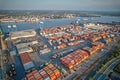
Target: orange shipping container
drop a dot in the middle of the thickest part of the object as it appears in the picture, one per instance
(39, 78)
(57, 73)
(50, 65)
(62, 46)
(52, 76)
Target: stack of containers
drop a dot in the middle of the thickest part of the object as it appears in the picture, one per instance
(36, 75)
(26, 61)
(89, 50)
(44, 74)
(61, 46)
(74, 58)
(68, 62)
(95, 48)
(55, 70)
(103, 35)
(84, 54)
(52, 71)
(49, 72)
(108, 40)
(78, 59)
(30, 76)
(74, 43)
(95, 38)
(98, 44)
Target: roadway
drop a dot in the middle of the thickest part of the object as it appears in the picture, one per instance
(108, 64)
(103, 73)
(2, 66)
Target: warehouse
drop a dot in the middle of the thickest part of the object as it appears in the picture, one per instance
(22, 34)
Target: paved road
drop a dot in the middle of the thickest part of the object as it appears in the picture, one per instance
(108, 67)
(100, 73)
(105, 67)
(2, 68)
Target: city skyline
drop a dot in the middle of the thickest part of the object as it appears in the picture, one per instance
(88, 5)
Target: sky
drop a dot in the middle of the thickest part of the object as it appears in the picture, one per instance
(88, 5)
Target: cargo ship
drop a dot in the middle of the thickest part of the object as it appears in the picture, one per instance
(32, 20)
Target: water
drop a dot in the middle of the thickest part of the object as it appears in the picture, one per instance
(58, 22)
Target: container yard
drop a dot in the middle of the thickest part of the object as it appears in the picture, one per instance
(49, 72)
(56, 53)
(78, 56)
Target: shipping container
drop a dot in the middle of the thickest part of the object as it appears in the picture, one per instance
(88, 49)
(35, 71)
(28, 65)
(31, 78)
(61, 46)
(74, 58)
(44, 74)
(29, 75)
(39, 78)
(36, 74)
(52, 76)
(98, 44)
(50, 65)
(49, 72)
(25, 58)
(57, 73)
(47, 78)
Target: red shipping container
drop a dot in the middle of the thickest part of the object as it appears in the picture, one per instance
(34, 72)
(25, 58)
(29, 75)
(31, 78)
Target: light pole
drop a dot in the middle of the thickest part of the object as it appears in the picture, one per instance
(78, 22)
(12, 28)
(3, 65)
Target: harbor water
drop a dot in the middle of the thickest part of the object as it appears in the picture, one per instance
(58, 22)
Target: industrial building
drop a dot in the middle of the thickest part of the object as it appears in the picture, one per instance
(22, 34)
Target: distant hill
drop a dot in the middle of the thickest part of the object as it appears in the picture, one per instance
(58, 12)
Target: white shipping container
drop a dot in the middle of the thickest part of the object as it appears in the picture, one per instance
(28, 65)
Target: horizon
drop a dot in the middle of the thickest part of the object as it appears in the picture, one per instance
(60, 10)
